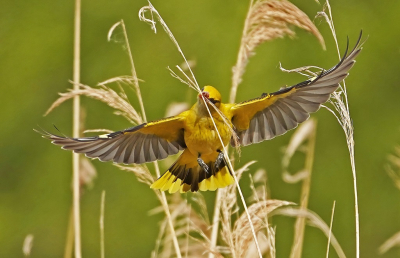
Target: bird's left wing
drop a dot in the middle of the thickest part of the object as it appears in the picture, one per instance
(274, 114)
(143, 143)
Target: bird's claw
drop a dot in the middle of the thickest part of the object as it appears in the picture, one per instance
(220, 160)
(203, 165)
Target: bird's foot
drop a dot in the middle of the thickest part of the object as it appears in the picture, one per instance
(203, 165)
(219, 161)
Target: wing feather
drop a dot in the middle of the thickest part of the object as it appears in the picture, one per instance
(289, 121)
(110, 154)
(146, 147)
(137, 150)
(143, 143)
(278, 115)
(163, 153)
(274, 114)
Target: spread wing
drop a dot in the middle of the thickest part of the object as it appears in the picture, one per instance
(274, 114)
(143, 143)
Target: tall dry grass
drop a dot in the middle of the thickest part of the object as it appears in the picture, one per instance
(186, 229)
(393, 170)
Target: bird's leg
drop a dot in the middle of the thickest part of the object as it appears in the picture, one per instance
(220, 160)
(202, 164)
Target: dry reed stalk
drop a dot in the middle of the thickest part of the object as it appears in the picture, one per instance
(260, 193)
(394, 160)
(86, 176)
(27, 245)
(133, 80)
(393, 170)
(215, 222)
(164, 203)
(153, 11)
(305, 132)
(340, 102)
(265, 245)
(239, 238)
(248, 215)
(119, 102)
(330, 229)
(187, 230)
(258, 210)
(101, 222)
(229, 207)
(267, 20)
(76, 113)
(69, 242)
(192, 228)
(393, 241)
(313, 220)
(162, 198)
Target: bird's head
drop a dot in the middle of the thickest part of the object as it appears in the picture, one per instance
(212, 94)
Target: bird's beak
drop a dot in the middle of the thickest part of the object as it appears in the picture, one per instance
(204, 94)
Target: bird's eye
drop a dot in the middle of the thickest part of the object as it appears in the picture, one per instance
(202, 89)
(213, 101)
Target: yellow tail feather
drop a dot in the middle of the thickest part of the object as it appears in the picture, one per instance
(170, 182)
(186, 175)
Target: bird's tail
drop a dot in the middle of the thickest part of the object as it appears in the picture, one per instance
(186, 175)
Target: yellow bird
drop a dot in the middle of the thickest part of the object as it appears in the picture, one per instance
(202, 165)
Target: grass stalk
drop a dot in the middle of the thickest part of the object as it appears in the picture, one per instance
(164, 203)
(330, 229)
(76, 128)
(346, 122)
(102, 204)
(304, 197)
(215, 222)
(247, 213)
(232, 97)
(313, 220)
(69, 242)
(134, 75)
(237, 184)
(353, 168)
(27, 245)
(239, 62)
(161, 196)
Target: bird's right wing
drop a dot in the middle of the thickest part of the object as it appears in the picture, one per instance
(143, 143)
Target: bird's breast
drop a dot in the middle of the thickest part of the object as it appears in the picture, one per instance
(201, 137)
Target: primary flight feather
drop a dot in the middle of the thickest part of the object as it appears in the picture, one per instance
(202, 165)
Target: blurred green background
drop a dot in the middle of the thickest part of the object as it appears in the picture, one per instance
(36, 63)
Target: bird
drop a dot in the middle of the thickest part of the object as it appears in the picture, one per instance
(202, 132)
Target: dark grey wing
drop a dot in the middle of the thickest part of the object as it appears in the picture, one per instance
(274, 114)
(144, 143)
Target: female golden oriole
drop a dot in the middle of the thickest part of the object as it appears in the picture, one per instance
(202, 165)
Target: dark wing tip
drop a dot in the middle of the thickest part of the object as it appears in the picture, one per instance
(357, 48)
(352, 54)
(54, 137)
(46, 134)
(41, 131)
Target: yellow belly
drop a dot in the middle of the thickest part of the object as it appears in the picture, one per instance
(202, 138)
